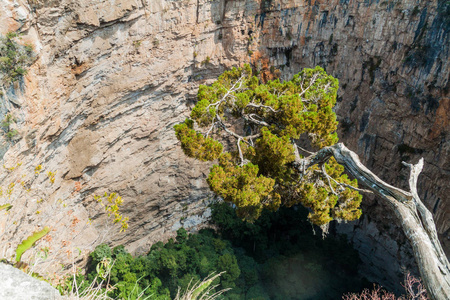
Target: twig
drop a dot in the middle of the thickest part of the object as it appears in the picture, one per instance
(348, 185)
(235, 134)
(263, 106)
(251, 118)
(328, 179)
(232, 89)
(311, 82)
(212, 127)
(304, 150)
(241, 155)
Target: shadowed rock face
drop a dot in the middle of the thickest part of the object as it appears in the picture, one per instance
(111, 80)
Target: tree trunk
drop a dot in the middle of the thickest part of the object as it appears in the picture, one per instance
(416, 220)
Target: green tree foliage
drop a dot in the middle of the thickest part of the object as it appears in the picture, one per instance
(263, 169)
(178, 263)
(252, 255)
(228, 263)
(14, 58)
(195, 144)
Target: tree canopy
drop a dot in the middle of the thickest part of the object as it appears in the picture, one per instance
(252, 128)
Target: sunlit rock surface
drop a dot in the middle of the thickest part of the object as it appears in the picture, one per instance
(15, 284)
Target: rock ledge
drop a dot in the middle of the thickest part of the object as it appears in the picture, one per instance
(15, 284)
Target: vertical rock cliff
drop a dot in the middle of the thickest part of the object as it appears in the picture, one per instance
(111, 78)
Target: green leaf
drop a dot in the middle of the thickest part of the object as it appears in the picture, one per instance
(29, 242)
(6, 206)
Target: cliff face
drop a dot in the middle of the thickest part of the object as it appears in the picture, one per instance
(112, 78)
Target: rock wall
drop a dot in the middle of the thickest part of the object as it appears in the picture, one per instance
(112, 78)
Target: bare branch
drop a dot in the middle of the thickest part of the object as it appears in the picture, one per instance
(341, 184)
(300, 163)
(241, 156)
(263, 106)
(352, 187)
(421, 231)
(296, 153)
(311, 82)
(328, 179)
(304, 150)
(415, 172)
(212, 127)
(232, 89)
(244, 138)
(353, 165)
(425, 215)
(251, 118)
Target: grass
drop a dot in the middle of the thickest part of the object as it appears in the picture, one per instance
(99, 288)
(201, 290)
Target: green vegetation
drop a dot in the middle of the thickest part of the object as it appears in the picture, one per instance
(195, 143)
(29, 242)
(6, 125)
(14, 58)
(6, 207)
(44, 249)
(111, 202)
(202, 290)
(206, 61)
(137, 44)
(260, 261)
(286, 153)
(167, 266)
(264, 169)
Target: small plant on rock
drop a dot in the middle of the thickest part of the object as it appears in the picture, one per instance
(6, 125)
(111, 203)
(14, 58)
(206, 61)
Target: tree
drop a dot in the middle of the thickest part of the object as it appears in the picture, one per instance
(255, 130)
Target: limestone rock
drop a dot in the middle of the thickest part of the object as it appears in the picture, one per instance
(15, 284)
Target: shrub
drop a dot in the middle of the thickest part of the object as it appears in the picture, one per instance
(14, 58)
(413, 287)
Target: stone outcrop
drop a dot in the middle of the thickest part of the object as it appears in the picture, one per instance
(111, 79)
(15, 284)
